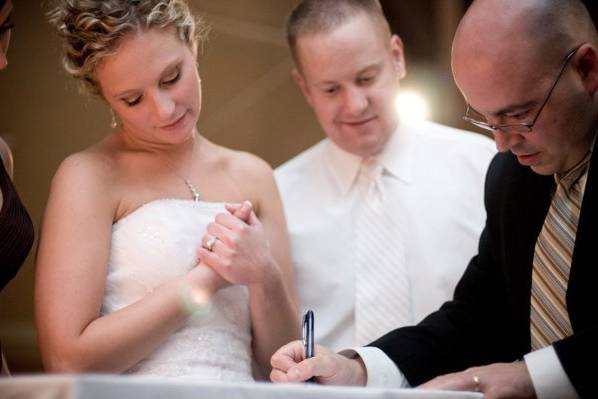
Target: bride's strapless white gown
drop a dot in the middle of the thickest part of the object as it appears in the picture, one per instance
(154, 244)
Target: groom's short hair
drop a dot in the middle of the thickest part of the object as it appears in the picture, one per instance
(320, 16)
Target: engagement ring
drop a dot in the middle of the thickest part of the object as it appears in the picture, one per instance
(210, 243)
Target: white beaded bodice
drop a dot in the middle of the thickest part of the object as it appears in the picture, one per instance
(158, 242)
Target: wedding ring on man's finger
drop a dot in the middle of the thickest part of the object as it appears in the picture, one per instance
(210, 243)
(477, 382)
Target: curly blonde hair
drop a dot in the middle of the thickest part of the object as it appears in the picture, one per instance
(92, 29)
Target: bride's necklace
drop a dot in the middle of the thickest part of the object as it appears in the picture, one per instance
(192, 189)
(190, 186)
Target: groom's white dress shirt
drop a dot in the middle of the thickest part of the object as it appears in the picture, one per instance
(435, 175)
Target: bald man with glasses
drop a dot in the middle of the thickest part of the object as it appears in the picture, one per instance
(475, 118)
(523, 321)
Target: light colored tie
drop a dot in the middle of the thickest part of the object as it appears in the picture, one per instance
(549, 319)
(382, 288)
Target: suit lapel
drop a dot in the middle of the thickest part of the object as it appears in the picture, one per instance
(526, 205)
(584, 273)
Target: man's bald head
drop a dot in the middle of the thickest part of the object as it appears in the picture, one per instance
(513, 59)
(533, 29)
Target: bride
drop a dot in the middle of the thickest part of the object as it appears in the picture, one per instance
(145, 263)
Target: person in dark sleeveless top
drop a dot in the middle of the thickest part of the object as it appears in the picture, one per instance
(16, 229)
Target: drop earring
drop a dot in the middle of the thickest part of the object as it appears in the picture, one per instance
(113, 123)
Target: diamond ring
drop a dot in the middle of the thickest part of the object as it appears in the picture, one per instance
(210, 243)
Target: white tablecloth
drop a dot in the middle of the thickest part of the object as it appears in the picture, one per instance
(136, 387)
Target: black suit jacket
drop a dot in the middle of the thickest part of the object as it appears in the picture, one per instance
(488, 319)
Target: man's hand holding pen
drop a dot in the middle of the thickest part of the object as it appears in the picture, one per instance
(308, 337)
(301, 360)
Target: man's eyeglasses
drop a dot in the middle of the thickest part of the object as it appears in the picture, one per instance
(478, 120)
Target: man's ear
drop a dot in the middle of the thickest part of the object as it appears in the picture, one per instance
(585, 62)
(398, 56)
(300, 80)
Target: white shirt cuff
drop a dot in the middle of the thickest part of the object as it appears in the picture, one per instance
(381, 371)
(548, 376)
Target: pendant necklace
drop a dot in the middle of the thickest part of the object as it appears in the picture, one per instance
(190, 186)
(192, 189)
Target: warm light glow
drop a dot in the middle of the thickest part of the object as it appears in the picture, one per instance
(411, 105)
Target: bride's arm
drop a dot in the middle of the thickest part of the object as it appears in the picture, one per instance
(274, 310)
(256, 254)
(71, 270)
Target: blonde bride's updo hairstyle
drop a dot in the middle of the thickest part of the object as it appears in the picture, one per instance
(92, 29)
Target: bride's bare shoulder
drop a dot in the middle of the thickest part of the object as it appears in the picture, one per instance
(240, 164)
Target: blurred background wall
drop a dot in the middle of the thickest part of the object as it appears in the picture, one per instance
(249, 103)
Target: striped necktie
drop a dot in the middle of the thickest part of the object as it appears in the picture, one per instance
(549, 319)
(382, 288)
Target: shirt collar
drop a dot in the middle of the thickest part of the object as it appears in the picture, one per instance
(396, 158)
(558, 177)
(576, 173)
(342, 166)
